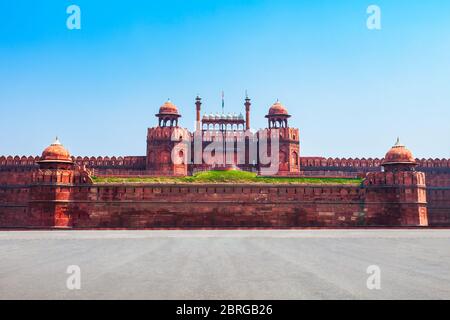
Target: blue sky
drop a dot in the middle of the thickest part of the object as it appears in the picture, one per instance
(351, 91)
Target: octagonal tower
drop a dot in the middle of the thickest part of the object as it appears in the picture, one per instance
(167, 144)
(399, 188)
(289, 145)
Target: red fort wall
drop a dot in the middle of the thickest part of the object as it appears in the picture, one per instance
(33, 197)
(214, 205)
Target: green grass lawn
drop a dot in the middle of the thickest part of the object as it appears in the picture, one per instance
(234, 176)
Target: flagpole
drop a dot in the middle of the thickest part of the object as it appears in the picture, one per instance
(223, 131)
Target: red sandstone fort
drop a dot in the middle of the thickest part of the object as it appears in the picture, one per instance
(58, 190)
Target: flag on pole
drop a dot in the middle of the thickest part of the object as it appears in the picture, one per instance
(223, 101)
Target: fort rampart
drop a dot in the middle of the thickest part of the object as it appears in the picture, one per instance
(192, 205)
(26, 199)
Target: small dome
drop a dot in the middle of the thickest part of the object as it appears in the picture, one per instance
(56, 153)
(277, 109)
(206, 117)
(399, 154)
(168, 108)
(241, 116)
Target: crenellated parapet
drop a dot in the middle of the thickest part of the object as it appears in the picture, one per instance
(318, 162)
(363, 163)
(292, 133)
(128, 162)
(433, 163)
(168, 134)
(399, 178)
(137, 162)
(18, 161)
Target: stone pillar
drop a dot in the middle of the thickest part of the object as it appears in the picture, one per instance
(247, 113)
(198, 104)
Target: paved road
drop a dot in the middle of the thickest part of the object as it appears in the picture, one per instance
(281, 264)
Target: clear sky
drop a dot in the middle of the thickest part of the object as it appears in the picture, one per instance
(351, 91)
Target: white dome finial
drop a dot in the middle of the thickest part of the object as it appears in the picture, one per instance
(56, 142)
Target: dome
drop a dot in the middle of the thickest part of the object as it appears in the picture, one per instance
(56, 153)
(399, 154)
(168, 108)
(277, 109)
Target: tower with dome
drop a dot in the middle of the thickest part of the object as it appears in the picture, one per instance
(400, 186)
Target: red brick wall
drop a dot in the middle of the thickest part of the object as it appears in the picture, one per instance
(216, 205)
(136, 206)
(16, 175)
